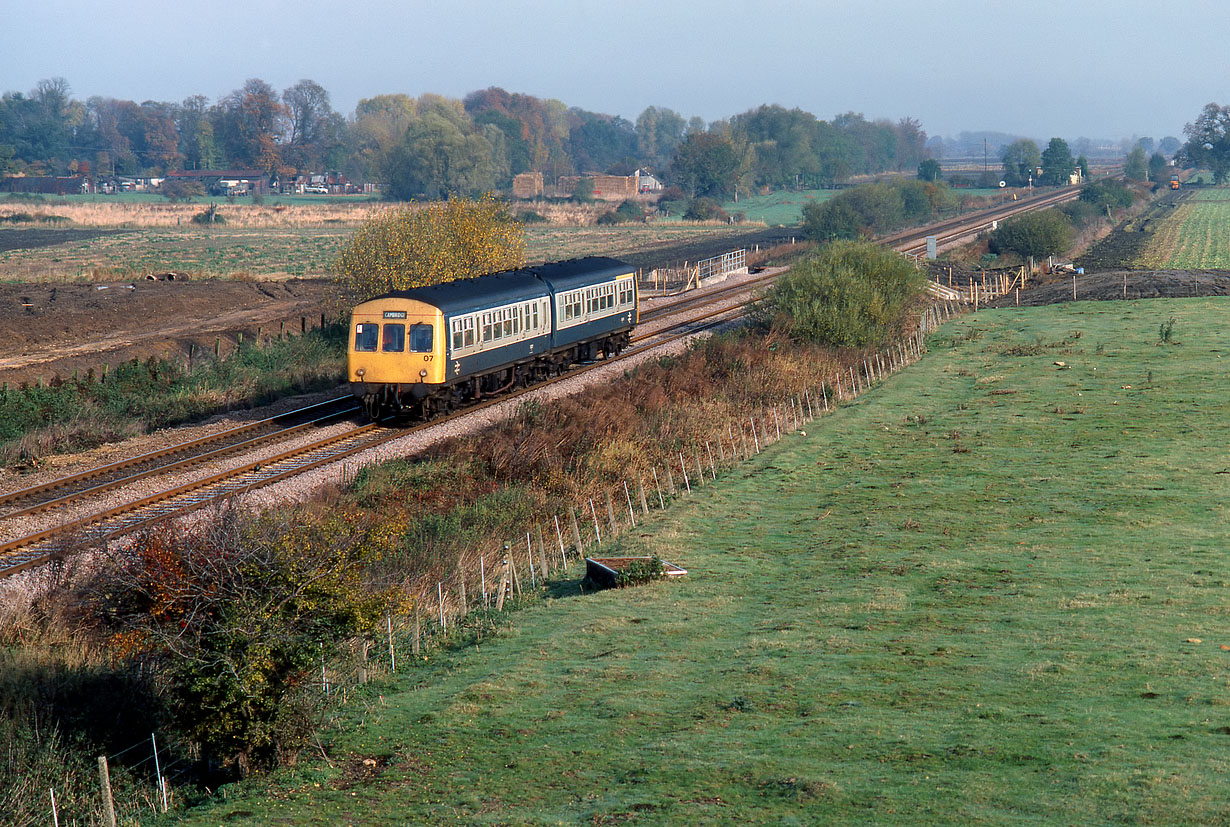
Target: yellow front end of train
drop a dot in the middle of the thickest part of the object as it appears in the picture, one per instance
(396, 354)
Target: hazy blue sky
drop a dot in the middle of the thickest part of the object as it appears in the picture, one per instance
(1095, 68)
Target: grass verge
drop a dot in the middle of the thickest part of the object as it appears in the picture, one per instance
(989, 591)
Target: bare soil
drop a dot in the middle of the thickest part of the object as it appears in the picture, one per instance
(48, 330)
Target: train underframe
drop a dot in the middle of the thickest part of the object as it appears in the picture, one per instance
(415, 400)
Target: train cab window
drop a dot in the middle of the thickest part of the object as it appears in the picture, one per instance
(365, 337)
(394, 339)
(420, 338)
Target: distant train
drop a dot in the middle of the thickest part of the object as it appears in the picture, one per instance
(425, 351)
(1174, 182)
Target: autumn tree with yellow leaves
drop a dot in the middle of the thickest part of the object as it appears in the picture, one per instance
(421, 244)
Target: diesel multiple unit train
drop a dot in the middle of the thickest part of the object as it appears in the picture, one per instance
(424, 351)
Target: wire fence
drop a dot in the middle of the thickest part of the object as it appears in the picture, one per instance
(505, 569)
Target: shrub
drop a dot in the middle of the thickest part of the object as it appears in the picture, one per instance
(231, 617)
(705, 209)
(1037, 234)
(849, 294)
(1108, 192)
(532, 217)
(624, 213)
(640, 571)
(208, 216)
(179, 189)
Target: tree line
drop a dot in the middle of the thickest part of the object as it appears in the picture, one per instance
(433, 146)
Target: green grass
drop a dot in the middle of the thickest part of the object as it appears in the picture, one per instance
(1196, 235)
(992, 591)
(213, 251)
(780, 208)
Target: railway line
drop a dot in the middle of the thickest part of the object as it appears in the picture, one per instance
(659, 324)
(114, 521)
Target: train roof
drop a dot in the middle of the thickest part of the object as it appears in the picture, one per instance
(464, 295)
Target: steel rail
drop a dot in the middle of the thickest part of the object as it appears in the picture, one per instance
(153, 458)
(38, 549)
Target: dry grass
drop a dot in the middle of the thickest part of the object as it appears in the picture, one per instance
(143, 214)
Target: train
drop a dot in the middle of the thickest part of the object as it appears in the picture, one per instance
(423, 352)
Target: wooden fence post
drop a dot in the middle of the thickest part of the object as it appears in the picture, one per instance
(104, 776)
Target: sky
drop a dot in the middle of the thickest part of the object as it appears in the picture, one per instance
(1040, 68)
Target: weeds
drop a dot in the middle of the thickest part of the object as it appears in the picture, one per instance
(1165, 331)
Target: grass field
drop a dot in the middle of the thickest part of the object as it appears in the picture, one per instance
(1195, 236)
(782, 208)
(265, 252)
(990, 591)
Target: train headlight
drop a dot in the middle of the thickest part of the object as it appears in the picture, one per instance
(423, 373)
(359, 373)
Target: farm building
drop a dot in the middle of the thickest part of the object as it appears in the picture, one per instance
(527, 185)
(226, 181)
(46, 184)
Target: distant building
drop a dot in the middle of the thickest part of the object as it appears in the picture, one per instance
(226, 181)
(46, 184)
(527, 185)
(646, 182)
(606, 187)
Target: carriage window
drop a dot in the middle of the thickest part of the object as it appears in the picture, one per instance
(470, 334)
(365, 336)
(394, 340)
(486, 327)
(420, 338)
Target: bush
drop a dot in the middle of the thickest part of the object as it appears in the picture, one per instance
(705, 209)
(231, 617)
(640, 571)
(849, 294)
(532, 217)
(1108, 192)
(208, 216)
(178, 189)
(624, 213)
(1037, 234)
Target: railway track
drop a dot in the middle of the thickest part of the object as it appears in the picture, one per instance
(96, 529)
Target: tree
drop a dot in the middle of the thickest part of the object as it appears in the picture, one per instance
(1157, 166)
(659, 132)
(1208, 142)
(1082, 163)
(1057, 163)
(251, 125)
(929, 170)
(706, 164)
(1135, 166)
(412, 246)
(1169, 145)
(440, 154)
(1021, 160)
(311, 125)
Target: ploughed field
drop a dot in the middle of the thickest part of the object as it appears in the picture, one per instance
(991, 590)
